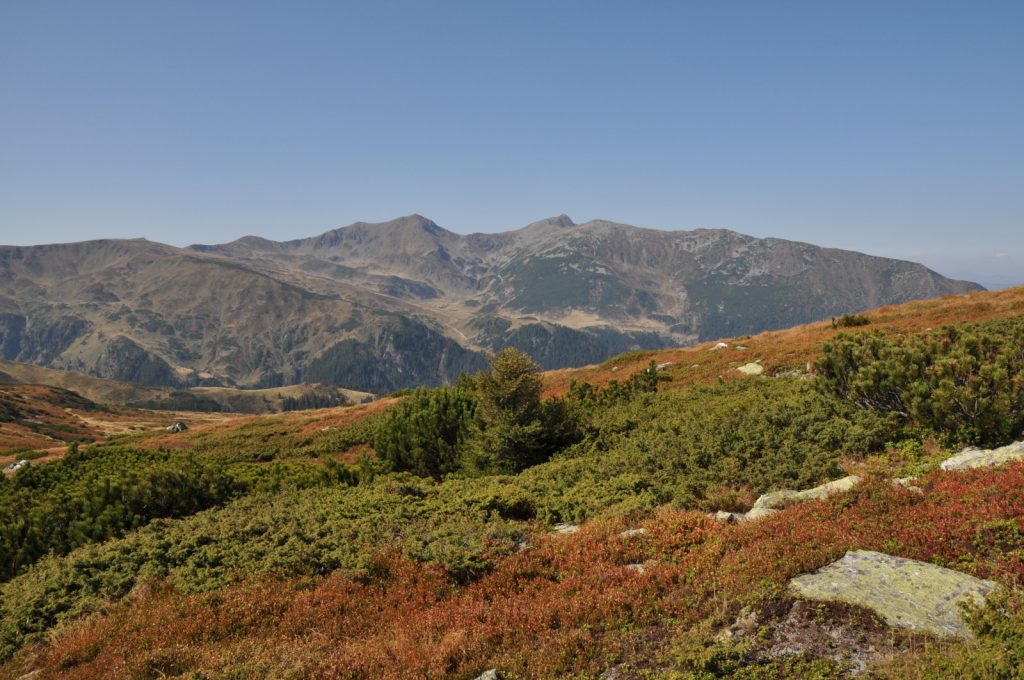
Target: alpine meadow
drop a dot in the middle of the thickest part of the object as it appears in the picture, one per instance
(755, 411)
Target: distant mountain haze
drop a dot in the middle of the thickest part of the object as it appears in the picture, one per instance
(378, 307)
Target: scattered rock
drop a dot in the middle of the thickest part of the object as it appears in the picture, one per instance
(695, 366)
(794, 373)
(742, 348)
(663, 366)
(757, 513)
(489, 675)
(778, 499)
(907, 593)
(721, 345)
(972, 458)
(770, 503)
(753, 368)
(640, 567)
(177, 427)
(614, 368)
(565, 528)
(14, 467)
(630, 533)
(908, 484)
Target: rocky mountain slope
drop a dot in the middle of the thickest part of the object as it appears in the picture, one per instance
(383, 306)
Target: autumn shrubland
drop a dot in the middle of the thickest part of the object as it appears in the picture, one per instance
(412, 538)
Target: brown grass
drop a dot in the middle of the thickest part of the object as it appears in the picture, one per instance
(793, 348)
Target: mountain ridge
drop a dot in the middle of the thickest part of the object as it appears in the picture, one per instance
(395, 304)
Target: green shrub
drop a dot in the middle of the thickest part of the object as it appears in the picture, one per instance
(425, 433)
(850, 321)
(966, 383)
(92, 495)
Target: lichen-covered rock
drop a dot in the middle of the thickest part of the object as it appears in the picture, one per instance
(489, 675)
(752, 368)
(778, 499)
(972, 458)
(770, 503)
(757, 513)
(908, 593)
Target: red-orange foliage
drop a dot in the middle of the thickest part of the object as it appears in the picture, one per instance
(568, 604)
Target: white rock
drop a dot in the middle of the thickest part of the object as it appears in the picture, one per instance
(725, 516)
(756, 514)
(972, 458)
(777, 499)
(721, 345)
(565, 528)
(629, 533)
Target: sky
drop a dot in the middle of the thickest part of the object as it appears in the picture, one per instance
(893, 128)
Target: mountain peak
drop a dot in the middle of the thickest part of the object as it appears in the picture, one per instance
(561, 221)
(417, 221)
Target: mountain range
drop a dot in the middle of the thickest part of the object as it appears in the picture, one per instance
(379, 307)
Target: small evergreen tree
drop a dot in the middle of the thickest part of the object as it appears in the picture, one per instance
(425, 432)
(516, 429)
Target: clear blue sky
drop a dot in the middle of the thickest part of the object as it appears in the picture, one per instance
(894, 128)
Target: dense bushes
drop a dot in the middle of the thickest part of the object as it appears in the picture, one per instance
(688, 447)
(291, 532)
(966, 383)
(567, 607)
(93, 495)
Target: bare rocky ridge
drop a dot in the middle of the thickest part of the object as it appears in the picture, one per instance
(384, 306)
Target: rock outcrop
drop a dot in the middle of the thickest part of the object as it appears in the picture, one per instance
(908, 593)
(770, 503)
(752, 368)
(779, 499)
(972, 458)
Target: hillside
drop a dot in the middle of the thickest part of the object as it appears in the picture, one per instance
(378, 307)
(37, 422)
(645, 523)
(206, 399)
